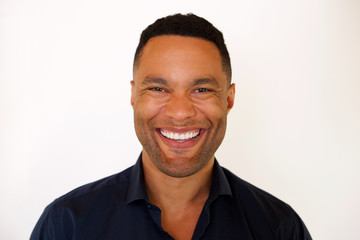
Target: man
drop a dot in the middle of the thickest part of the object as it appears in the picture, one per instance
(181, 95)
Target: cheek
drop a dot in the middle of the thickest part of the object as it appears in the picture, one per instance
(146, 108)
(213, 110)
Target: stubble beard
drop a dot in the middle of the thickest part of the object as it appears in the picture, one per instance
(179, 166)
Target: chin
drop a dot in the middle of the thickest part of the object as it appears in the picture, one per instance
(181, 166)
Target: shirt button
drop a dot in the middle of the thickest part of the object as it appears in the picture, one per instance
(149, 206)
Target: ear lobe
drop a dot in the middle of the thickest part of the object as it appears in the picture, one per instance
(132, 92)
(231, 97)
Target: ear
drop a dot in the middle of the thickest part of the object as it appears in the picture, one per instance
(231, 97)
(132, 92)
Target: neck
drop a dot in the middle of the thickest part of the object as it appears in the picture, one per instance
(165, 191)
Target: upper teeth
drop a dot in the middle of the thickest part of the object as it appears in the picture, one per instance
(179, 136)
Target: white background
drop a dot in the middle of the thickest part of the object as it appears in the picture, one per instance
(66, 119)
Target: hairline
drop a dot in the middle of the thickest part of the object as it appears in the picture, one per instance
(137, 58)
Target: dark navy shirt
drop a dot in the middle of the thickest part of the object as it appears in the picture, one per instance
(117, 207)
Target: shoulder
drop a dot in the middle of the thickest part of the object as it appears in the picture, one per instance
(117, 182)
(81, 204)
(252, 195)
(261, 209)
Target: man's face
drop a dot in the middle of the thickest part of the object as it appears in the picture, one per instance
(181, 97)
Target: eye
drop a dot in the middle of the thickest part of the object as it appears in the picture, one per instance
(157, 89)
(201, 90)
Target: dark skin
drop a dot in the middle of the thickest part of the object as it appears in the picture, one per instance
(181, 98)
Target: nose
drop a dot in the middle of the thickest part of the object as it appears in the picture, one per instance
(180, 107)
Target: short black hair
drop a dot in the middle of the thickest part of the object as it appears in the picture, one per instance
(188, 25)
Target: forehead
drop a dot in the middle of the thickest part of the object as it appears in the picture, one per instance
(170, 54)
(164, 42)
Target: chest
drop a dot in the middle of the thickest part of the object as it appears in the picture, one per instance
(145, 221)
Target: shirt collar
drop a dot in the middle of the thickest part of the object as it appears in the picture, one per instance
(220, 184)
(136, 191)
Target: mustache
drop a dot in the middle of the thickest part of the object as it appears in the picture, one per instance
(183, 124)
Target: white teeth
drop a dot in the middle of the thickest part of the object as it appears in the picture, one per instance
(180, 136)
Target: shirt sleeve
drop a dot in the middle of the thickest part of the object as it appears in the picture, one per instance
(293, 229)
(55, 223)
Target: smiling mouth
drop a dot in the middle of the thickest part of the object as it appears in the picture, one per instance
(180, 137)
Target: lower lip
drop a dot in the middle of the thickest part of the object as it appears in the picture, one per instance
(183, 144)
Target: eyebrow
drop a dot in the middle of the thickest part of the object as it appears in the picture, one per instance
(201, 81)
(152, 80)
